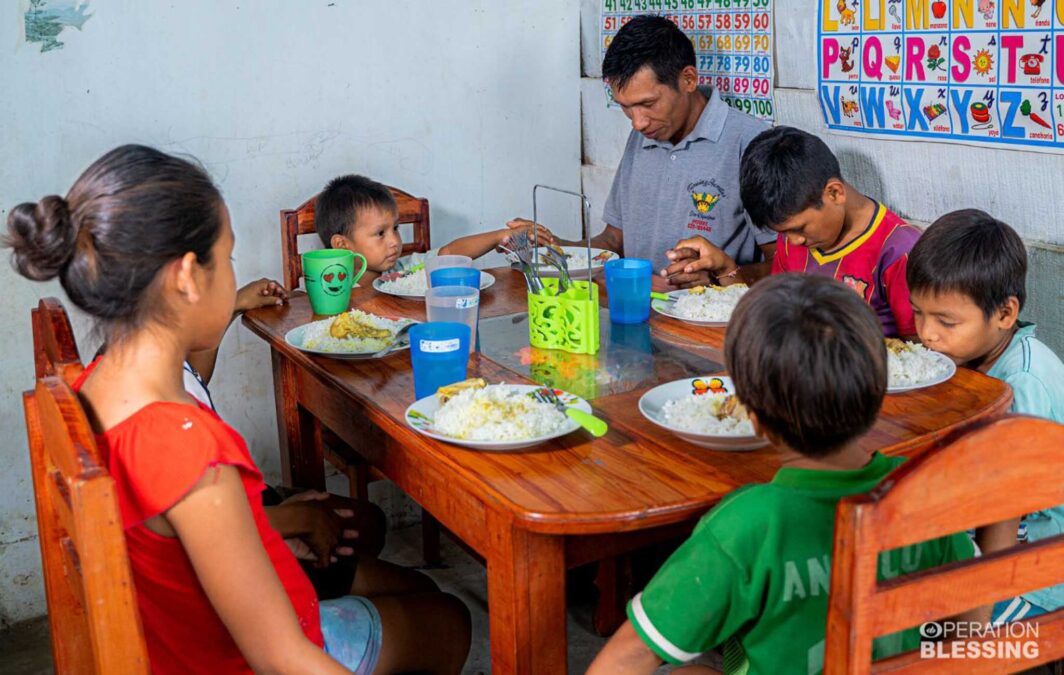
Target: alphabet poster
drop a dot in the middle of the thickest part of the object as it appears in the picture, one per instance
(984, 71)
(732, 40)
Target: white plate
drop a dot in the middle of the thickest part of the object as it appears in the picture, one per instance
(669, 309)
(652, 403)
(950, 372)
(576, 273)
(294, 338)
(419, 416)
(486, 281)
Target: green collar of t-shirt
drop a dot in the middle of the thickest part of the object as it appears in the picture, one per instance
(838, 482)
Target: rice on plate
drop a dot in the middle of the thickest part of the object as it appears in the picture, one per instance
(911, 365)
(365, 333)
(709, 414)
(713, 303)
(404, 283)
(497, 412)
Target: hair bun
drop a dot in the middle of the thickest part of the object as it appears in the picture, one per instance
(42, 237)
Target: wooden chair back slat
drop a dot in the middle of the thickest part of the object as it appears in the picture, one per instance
(1008, 457)
(300, 221)
(55, 351)
(996, 472)
(92, 606)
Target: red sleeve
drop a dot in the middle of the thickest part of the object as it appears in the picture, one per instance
(898, 296)
(778, 266)
(159, 454)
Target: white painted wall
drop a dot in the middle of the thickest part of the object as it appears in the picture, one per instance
(466, 102)
(920, 180)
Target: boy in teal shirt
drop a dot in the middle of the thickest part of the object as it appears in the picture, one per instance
(967, 279)
(808, 361)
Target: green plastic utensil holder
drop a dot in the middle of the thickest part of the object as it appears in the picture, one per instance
(569, 321)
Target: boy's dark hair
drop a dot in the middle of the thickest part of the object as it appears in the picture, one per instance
(652, 41)
(337, 207)
(973, 253)
(807, 356)
(784, 171)
(129, 214)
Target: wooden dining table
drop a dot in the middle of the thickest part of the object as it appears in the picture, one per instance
(533, 514)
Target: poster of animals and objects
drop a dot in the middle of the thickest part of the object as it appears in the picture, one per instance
(732, 39)
(983, 71)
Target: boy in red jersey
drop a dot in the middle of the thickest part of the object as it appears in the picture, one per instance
(791, 182)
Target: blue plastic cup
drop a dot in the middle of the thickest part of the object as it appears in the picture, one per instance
(439, 353)
(628, 287)
(455, 276)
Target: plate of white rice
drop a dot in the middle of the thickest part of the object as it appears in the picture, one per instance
(701, 411)
(497, 417)
(314, 337)
(414, 284)
(703, 305)
(911, 365)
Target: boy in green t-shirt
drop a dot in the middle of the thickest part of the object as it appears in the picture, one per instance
(968, 277)
(808, 361)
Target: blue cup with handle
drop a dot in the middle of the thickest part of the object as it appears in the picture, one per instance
(455, 276)
(628, 287)
(439, 352)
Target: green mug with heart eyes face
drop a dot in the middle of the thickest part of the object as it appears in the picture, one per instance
(328, 275)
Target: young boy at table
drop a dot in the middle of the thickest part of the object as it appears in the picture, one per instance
(360, 215)
(968, 278)
(808, 362)
(791, 182)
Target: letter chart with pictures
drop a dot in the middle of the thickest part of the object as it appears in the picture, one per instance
(732, 40)
(982, 71)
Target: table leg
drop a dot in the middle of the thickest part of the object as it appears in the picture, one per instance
(613, 579)
(526, 600)
(299, 434)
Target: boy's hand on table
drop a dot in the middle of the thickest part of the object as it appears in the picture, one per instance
(262, 293)
(696, 262)
(545, 236)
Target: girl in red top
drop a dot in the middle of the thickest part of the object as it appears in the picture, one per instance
(143, 243)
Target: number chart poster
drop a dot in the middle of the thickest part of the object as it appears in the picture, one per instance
(732, 40)
(982, 71)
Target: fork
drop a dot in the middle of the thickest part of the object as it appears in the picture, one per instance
(558, 262)
(525, 269)
(596, 426)
(395, 340)
(522, 247)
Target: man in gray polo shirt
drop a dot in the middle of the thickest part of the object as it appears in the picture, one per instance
(679, 176)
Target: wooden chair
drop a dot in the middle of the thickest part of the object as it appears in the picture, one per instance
(92, 608)
(55, 351)
(998, 471)
(300, 221)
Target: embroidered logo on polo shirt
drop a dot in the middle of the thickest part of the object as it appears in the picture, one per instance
(705, 195)
(704, 201)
